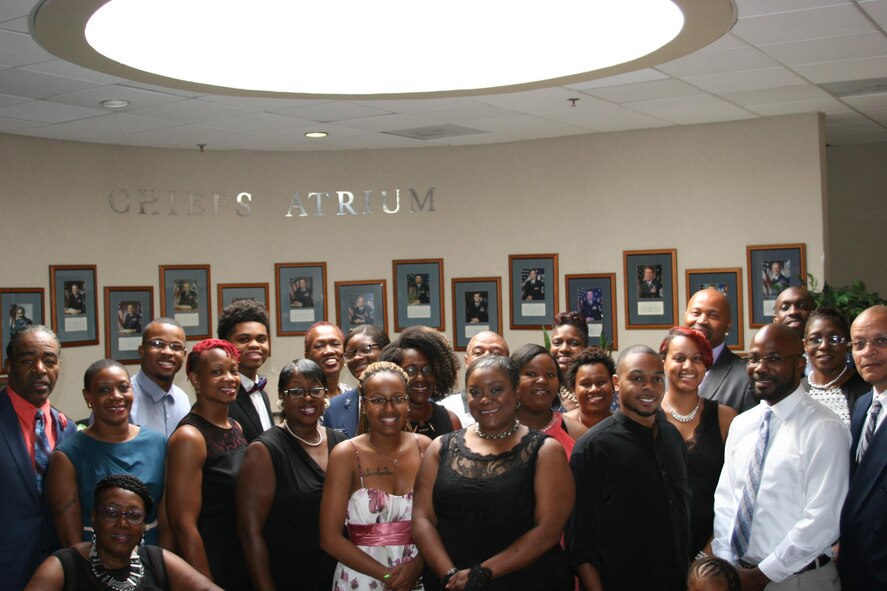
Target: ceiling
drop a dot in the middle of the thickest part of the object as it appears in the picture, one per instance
(781, 57)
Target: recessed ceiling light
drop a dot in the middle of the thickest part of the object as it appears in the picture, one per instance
(316, 134)
(115, 103)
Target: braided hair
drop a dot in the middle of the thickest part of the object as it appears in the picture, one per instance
(126, 482)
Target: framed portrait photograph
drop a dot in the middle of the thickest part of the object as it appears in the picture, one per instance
(361, 302)
(650, 289)
(73, 304)
(20, 306)
(300, 296)
(477, 307)
(127, 311)
(728, 281)
(185, 295)
(418, 293)
(228, 293)
(771, 269)
(532, 286)
(593, 296)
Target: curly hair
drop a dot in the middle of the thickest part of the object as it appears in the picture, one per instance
(205, 345)
(441, 359)
(694, 335)
(829, 313)
(126, 482)
(574, 319)
(589, 356)
(712, 567)
(241, 311)
(309, 336)
(98, 366)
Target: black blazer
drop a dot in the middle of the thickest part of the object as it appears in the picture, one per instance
(727, 382)
(243, 411)
(863, 560)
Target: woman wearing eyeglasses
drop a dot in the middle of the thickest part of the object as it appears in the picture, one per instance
(280, 485)
(114, 559)
(833, 382)
(369, 488)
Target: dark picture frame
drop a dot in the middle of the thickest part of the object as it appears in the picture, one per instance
(765, 282)
(532, 288)
(418, 293)
(300, 296)
(361, 302)
(186, 296)
(128, 310)
(651, 294)
(228, 293)
(470, 316)
(600, 310)
(729, 282)
(21, 306)
(73, 304)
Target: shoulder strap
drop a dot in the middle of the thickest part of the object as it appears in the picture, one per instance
(357, 457)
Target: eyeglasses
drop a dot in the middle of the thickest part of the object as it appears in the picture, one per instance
(413, 372)
(161, 345)
(112, 514)
(834, 339)
(316, 392)
(363, 351)
(394, 400)
(771, 359)
(877, 342)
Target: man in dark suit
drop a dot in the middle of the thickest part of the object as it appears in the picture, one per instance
(708, 311)
(245, 324)
(533, 288)
(29, 430)
(863, 557)
(650, 287)
(476, 309)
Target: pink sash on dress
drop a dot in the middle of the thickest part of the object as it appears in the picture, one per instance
(395, 533)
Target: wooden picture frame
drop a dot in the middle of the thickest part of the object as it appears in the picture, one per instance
(186, 296)
(600, 310)
(361, 302)
(532, 288)
(418, 293)
(471, 316)
(73, 304)
(651, 289)
(300, 296)
(20, 307)
(228, 293)
(728, 281)
(127, 311)
(764, 286)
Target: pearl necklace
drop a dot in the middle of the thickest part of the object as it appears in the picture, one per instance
(830, 384)
(683, 418)
(503, 435)
(567, 395)
(305, 441)
(136, 572)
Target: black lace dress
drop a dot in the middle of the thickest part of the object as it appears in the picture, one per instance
(483, 504)
(705, 458)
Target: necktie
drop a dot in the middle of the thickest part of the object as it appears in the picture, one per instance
(742, 526)
(41, 448)
(869, 430)
(260, 385)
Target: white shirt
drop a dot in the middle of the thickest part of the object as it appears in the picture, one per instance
(803, 485)
(258, 403)
(155, 408)
(882, 396)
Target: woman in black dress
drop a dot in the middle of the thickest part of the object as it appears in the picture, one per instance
(203, 458)
(491, 501)
(280, 486)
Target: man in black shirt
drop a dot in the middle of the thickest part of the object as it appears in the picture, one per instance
(630, 528)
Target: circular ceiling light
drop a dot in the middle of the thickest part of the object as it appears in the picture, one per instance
(316, 134)
(397, 47)
(115, 103)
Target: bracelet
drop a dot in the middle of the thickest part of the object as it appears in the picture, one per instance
(447, 576)
(478, 577)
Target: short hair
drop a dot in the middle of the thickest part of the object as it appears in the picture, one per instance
(309, 336)
(829, 313)
(589, 356)
(205, 345)
(574, 319)
(441, 359)
(98, 366)
(712, 567)
(505, 365)
(17, 335)
(694, 335)
(376, 334)
(303, 367)
(526, 353)
(241, 311)
(163, 320)
(126, 482)
(632, 350)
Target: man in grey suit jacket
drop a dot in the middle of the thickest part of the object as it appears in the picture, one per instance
(708, 311)
(32, 362)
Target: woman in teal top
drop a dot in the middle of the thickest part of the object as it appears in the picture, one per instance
(111, 445)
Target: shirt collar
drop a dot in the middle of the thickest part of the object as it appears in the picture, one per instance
(631, 424)
(148, 386)
(716, 351)
(785, 407)
(246, 382)
(25, 409)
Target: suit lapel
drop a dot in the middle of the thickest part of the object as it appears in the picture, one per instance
(350, 419)
(716, 374)
(11, 434)
(868, 473)
(246, 405)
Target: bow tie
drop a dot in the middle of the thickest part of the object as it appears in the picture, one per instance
(260, 385)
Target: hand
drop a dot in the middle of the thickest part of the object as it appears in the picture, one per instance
(458, 581)
(752, 579)
(404, 576)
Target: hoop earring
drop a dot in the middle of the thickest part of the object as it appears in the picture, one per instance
(280, 403)
(326, 403)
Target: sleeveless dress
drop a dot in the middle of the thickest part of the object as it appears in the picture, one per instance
(437, 425)
(79, 577)
(217, 522)
(379, 524)
(557, 430)
(292, 528)
(483, 504)
(142, 456)
(705, 458)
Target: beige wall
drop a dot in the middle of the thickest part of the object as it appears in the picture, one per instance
(706, 190)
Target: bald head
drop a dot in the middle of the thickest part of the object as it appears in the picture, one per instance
(485, 343)
(776, 362)
(708, 311)
(793, 307)
(871, 360)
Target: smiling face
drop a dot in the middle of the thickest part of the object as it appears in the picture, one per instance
(708, 311)
(492, 400)
(594, 388)
(390, 416)
(326, 349)
(684, 366)
(872, 360)
(34, 367)
(110, 396)
(251, 340)
(825, 357)
(640, 382)
(117, 539)
(422, 383)
(566, 342)
(781, 363)
(360, 361)
(538, 385)
(302, 410)
(217, 378)
(162, 365)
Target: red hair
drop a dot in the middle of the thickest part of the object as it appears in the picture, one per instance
(694, 335)
(205, 345)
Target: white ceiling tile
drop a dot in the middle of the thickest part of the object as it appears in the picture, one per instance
(419, 105)
(694, 109)
(59, 67)
(330, 111)
(644, 91)
(48, 112)
(604, 117)
(19, 25)
(138, 99)
(115, 124)
(259, 123)
(189, 111)
(479, 111)
(860, 69)
(791, 108)
(184, 135)
(381, 123)
(258, 103)
(727, 41)
(780, 94)
(24, 82)
(758, 7)
(645, 75)
(526, 126)
(13, 125)
(877, 10)
(9, 99)
(711, 62)
(534, 101)
(18, 49)
(749, 80)
(828, 50)
(800, 25)
(10, 9)
(869, 101)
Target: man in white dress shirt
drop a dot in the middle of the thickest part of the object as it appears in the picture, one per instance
(779, 497)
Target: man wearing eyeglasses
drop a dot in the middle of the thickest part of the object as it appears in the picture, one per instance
(158, 403)
(784, 478)
(863, 563)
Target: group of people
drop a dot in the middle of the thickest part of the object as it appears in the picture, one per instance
(713, 471)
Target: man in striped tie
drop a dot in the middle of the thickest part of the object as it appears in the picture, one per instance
(863, 564)
(784, 478)
(29, 430)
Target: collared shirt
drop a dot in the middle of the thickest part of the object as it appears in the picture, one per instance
(155, 408)
(258, 403)
(803, 485)
(882, 396)
(27, 414)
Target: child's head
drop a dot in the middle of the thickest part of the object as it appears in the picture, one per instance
(713, 574)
